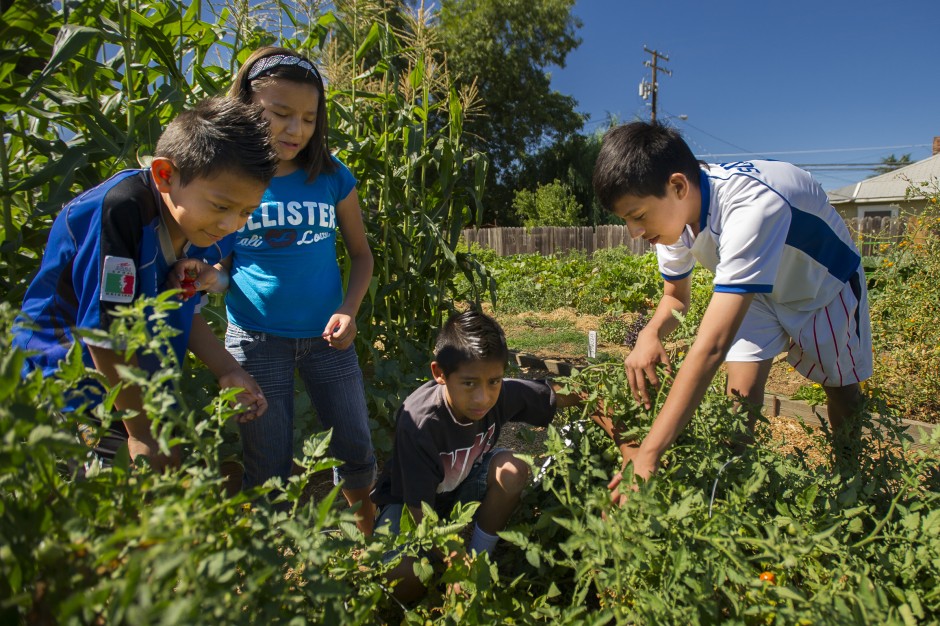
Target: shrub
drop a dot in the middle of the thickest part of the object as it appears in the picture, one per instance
(126, 545)
(551, 204)
(904, 290)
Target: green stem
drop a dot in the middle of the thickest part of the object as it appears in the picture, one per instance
(126, 44)
(5, 199)
(881, 523)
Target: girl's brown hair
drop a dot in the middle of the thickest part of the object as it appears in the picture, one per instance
(315, 157)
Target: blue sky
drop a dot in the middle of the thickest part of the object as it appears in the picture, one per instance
(821, 82)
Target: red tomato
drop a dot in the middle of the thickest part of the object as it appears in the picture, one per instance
(768, 577)
(188, 284)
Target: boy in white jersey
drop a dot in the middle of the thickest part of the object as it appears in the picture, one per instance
(788, 277)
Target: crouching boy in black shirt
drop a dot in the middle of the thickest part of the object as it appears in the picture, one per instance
(445, 437)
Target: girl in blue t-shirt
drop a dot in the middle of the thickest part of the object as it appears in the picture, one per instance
(286, 307)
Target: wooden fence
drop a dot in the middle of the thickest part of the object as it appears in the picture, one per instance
(869, 233)
(553, 239)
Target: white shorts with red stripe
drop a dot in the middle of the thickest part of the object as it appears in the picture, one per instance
(830, 346)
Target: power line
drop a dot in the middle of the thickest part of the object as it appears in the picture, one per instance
(746, 152)
(839, 166)
(814, 151)
(705, 132)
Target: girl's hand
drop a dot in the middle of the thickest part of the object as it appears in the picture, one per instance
(340, 331)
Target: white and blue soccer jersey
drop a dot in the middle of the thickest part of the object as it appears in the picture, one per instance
(286, 254)
(767, 228)
(107, 247)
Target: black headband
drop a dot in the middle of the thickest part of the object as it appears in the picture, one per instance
(267, 64)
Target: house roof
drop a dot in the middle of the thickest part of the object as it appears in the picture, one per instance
(890, 187)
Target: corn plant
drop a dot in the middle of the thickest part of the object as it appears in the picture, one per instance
(398, 124)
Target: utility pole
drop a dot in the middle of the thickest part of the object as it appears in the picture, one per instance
(651, 89)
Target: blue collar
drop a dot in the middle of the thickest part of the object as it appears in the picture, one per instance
(705, 188)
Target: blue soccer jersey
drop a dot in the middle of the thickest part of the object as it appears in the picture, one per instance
(107, 247)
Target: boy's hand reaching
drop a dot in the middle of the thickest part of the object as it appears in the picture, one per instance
(641, 364)
(252, 397)
(643, 467)
(193, 275)
(617, 496)
(151, 450)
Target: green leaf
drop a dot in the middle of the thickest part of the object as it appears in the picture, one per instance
(11, 364)
(423, 570)
(371, 38)
(69, 43)
(72, 159)
(150, 38)
(415, 79)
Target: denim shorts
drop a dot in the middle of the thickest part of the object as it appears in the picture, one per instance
(472, 489)
(334, 382)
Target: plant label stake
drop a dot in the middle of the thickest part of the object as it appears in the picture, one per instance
(592, 344)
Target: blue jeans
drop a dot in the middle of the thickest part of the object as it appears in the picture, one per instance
(334, 381)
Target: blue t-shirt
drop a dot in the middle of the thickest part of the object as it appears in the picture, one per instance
(107, 247)
(285, 276)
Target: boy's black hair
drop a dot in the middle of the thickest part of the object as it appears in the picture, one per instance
(638, 158)
(219, 135)
(467, 337)
(315, 156)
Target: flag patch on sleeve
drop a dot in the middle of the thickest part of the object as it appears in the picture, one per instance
(118, 280)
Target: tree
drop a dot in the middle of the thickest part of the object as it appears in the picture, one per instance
(891, 163)
(570, 160)
(505, 46)
(549, 205)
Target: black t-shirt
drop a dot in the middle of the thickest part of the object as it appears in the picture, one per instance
(433, 452)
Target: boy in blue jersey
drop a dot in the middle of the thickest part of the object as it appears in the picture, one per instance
(117, 242)
(788, 277)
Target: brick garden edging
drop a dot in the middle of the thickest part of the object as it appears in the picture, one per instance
(774, 405)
